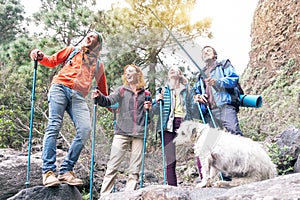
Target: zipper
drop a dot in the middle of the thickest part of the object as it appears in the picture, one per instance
(134, 113)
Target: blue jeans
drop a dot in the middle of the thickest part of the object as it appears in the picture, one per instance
(61, 99)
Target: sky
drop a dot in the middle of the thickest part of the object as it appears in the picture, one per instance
(231, 26)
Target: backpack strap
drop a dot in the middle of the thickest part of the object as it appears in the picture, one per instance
(71, 55)
(122, 91)
(97, 66)
(147, 93)
(225, 63)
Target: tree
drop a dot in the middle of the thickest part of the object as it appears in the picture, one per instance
(11, 15)
(133, 29)
(69, 20)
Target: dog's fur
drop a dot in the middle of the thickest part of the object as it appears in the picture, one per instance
(219, 151)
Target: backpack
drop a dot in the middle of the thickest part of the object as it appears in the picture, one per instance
(234, 92)
(238, 85)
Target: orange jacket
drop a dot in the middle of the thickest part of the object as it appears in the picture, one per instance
(78, 73)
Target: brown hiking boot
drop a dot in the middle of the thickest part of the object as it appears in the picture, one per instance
(49, 179)
(70, 179)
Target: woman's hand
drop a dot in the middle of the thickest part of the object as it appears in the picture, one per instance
(96, 93)
(202, 98)
(159, 97)
(147, 105)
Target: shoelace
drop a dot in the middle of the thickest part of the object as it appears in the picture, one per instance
(48, 173)
(73, 174)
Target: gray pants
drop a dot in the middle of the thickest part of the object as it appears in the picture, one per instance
(225, 117)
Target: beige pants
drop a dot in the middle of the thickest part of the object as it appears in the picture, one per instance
(119, 147)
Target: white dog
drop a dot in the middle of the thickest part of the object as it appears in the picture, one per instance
(219, 151)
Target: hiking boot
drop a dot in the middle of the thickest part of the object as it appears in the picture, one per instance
(49, 179)
(70, 179)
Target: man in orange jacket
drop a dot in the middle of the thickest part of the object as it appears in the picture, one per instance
(67, 93)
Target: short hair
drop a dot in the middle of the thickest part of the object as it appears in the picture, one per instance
(141, 81)
(214, 51)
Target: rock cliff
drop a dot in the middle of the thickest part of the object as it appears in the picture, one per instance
(273, 70)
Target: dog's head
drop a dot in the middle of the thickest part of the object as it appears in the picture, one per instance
(189, 131)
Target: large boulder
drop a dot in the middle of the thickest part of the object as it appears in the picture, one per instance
(61, 192)
(289, 144)
(13, 171)
(282, 187)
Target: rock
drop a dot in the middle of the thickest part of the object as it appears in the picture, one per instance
(289, 143)
(13, 171)
(282, 187)
(150, 192)
(62, 192)
(297, 165)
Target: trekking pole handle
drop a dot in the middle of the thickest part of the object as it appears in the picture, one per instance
(35, 64)
(147, 98)
(95, 99)
(159, 91)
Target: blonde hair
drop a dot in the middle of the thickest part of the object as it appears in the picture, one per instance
(141, 82)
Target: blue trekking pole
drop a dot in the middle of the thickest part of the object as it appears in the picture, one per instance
(93, 149)
(203, 120)
(201, 113)
(162, 136)
(31, 122)
(147, 98)
(208, 109)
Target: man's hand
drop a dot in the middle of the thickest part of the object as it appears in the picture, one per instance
(210, 81)
(36, 54)
(202, 98)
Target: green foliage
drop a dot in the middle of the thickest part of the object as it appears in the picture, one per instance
(16, 90)
(70, 20)
(136, 32)
(133, 37)
(6, 128)
(106, 121)
(280, 105)
(11, 15)
(283, 161)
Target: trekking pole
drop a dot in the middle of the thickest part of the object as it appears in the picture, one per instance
(162, 136)
(147, 98)
(211, 116)
(203, 120)
(114, 107)
(209, 111)
(201, 113)
(31, 121)
(93, 148)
